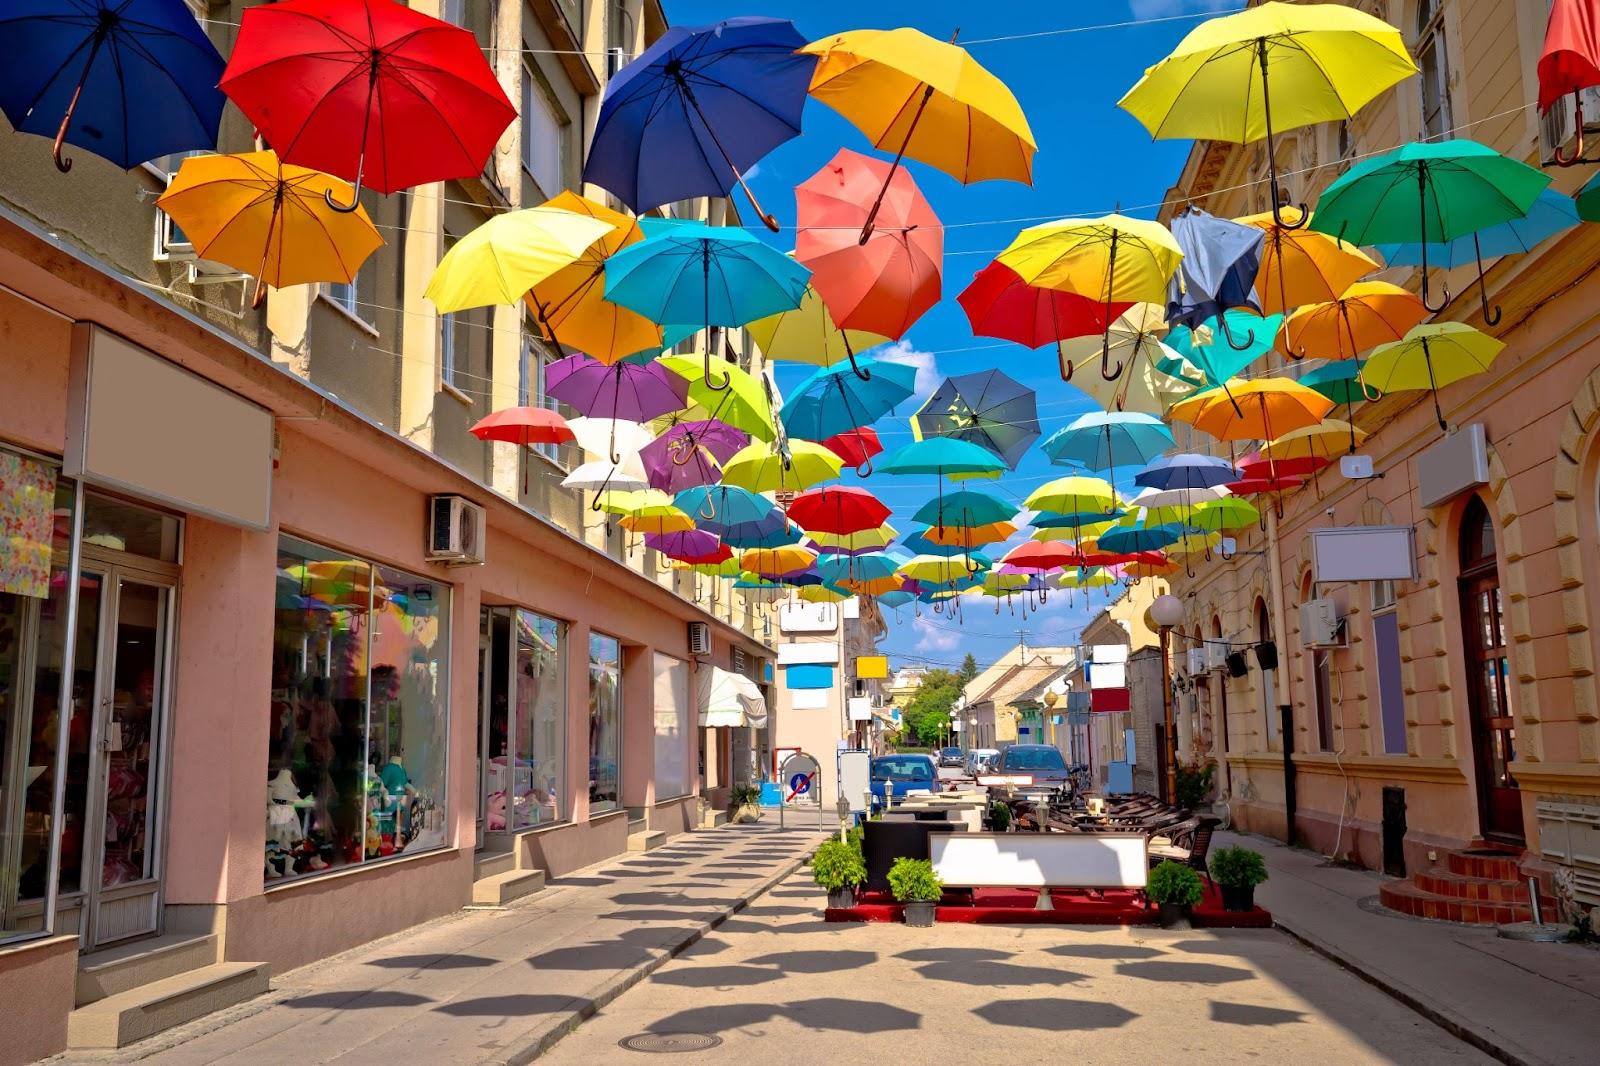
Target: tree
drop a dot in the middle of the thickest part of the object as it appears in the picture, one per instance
(927, 713)
(969, 669)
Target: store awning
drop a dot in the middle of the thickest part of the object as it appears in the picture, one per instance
(734, 701)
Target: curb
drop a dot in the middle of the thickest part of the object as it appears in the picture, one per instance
(561, 1026)
(1450, 1022)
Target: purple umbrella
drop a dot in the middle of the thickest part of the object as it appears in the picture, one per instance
(636, 392)
(690, 544)
(690, 454)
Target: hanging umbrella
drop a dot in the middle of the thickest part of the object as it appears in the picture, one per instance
(600, 475)
(690, 454)
(1112, 258)
(1073, 496)
(1096, 440)
(824, 594)
(1138, 537)
(741, 401)
(129, 80)
(882, 283)
(856, 447)
(840, 398)
(689, 546)
(1256, 486)
(376, 93)
(1186, 472)
(926, 99)
(1134, 340)
(854, 543)
(965, 538)
(1570, 63)
(691, 274)
(1221, 259)
(870, 566)
(760, 467)
(967, 508)
(837, 509)
(694, 111)
(1324, 441)
(1259, 409)
(505, 257)
(724, 505)
(624, 391)
(570, 307)
(608, 436)
(1039, 556)
(1430, 357)
(1224, 514)
(944, 456)
(1301, 266)
(777, 562)
(944, 570)
(1209, 348)
(255, 214)
(917, 543)
(1429, 191)
(1272, 68)
(1341, 382)
(989, 409)
(634, 501)
(657, 521)
(1000, 304)
(1256, 467)
(524, 426)
(1365, 315)
(808, 334)
(770, 532)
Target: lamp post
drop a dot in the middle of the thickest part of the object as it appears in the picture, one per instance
(1166, 612)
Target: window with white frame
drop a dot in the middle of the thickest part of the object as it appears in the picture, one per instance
(1434, 65)
(448, 326)
(356, 298)
(1386, 649)
(453, 11)
(544, 136)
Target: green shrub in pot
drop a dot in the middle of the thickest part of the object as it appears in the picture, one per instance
(1175, 888)
(914, 883)
(838, 867)
(1237, 872)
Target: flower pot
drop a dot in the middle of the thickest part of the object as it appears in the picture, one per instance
(1174, 915)
(920, 914)
(1238, 897)
(841, 898)
(746, 814)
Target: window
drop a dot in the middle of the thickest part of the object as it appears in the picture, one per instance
(1322, 687)
(355, 298)
(358, 725)
(539, 780)
(1434, 66)
(1345, 142)
(605, 723)
(672, 728)
(1391, 690)
(1268, 696)
(543, 136)
(448, 326)
(537, 355)
(453, 11)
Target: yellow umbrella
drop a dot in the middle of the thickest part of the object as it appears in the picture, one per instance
(807, 334)
(776, 562)
(1073, 495)
(873, 587)
(881, 537)
(1431, 357)
(1078, 578)
(1260, 409)
(938, 569)
(1365, 315)
(259, 216)
(1302, 266)
(741, 400)
(666, 520)
(1324, 62)
(760, 468)
(1194, 543)
(821, 594)
(503, 258)
(1325, 440)
(632, 501)
(570, 305)
(726, 568)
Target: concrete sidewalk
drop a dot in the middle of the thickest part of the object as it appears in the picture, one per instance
(500, 985)
(1524, 1003)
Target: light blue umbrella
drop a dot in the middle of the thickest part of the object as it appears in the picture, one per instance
(843, 397)
(772, 531)
(918, 544)
(870, 566)
(1216, 358)
(1097, 440)
(1139, 538)
(722, 505)
(944, 456)
(966, 508)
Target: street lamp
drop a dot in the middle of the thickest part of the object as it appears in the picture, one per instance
(1166, 612)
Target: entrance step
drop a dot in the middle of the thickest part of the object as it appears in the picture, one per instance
(1446, 882)
(637, 825)
(127, 966)
(1478, 885)
(498, 889)
(714, 819)
(1484, 862)
(119, 1020)
(1408, 898)
(489, 863)
(646, 840)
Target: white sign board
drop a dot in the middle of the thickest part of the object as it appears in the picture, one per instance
(808, 617)
(1039, 860)
(860, 709)
(810, 699)
(1362, 553)
(817, 651)
(855, 777)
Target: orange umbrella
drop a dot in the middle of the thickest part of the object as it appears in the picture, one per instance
(885, 283)
(1261, 409)
(1302, 266)
(1365, 315)
(968, 536)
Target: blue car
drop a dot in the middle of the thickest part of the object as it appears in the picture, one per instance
(901, 774)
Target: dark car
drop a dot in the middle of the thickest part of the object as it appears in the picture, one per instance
(898, 775)
(1028, 766)
(950, 757)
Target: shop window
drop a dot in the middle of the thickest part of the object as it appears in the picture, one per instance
(1434, 66)
(605, 723)
(126, 527)
(358, 731)
(1391, 689)
(671, 727)
(357, 298)
(538, 777)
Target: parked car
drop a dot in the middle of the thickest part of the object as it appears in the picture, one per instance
(1027, 772)
(950, 757)
(979, 759)
(898, 775)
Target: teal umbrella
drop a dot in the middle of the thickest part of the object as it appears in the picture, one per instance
(1125, 540)
(1209, 351)
(942, 456)
(1340, 381)
(1095, 441)
(966, 508)
(846, 396)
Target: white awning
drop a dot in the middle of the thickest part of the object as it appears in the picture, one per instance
(734, 701)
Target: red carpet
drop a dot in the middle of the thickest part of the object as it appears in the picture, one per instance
(1003, 906)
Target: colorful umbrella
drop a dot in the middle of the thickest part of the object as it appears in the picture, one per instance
(1185, 472)
(762, 467)
(1039, 556)
(1259, 409)
(837, 509)
(610, 436)
(627, 391)
(777, 562)
(865, 540)
(1074, 496)
(965, 538)
(856, 447)
(1000, 304)
(926, 99)
(1221, 259)
(1570, 63)
(1274, 67)
(741, 400)
(771, 531)
(1138, 537)
(1430, 357)
(989, 409)
(1096, 440)
(601, 476)
(943, 456)
(690, 454)
(1134, 340)
(696, 109)
(129, 80)
(689, 546)
(505, 257)
(1301, 266)
(967, 508)
(840, 398)
(524, 426)
(808, 334)
(1365, 315)
(944, 570)
(1224, 514)
(1256, 467)
(1325, 440)
(882, 283)
(261, 217)
(1209, 348)
(724, 505)
(872, 566)
(1341, 382)
(310, 74)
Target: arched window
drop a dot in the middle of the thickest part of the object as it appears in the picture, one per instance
(1321, 680)
(1434, 66)
(1485, 641)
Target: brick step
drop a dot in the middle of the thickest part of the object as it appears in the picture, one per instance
(1487, 862)
(1408, 898)
(1443, 882)
(646, 839)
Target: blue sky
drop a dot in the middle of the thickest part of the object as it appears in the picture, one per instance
(1092, 158)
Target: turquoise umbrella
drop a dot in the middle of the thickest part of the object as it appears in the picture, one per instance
(1095, 441)
(1340, 381)
(1138, 538)
(967, 508)
(722, 505)
(1217, 359)
(942, 456)
(846, 396)
(869, 566)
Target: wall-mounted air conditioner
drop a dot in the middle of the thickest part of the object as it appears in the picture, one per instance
(1216, 653)
(1320, 624)
(1197, 661)
(699, 639)
(456, 531)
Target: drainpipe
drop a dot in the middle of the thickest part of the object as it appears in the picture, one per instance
(1285, 706)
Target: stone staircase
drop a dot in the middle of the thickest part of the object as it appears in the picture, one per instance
(1480, 886)
(497, 879)
(133, 991)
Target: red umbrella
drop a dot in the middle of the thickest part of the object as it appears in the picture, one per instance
(1570, 62)
(1000, 304)
(1042, 555)
(1255, 468)
(524, 426)
(311, 73)
(839, 509)
(1256, 486)
(855, 446)
(885, 284)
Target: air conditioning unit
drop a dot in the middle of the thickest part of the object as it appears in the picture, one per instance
(1558, 126)
(1197, 661)
(456, 530)
(1216, 653)
(699, 639)
(205, 272)
(1320, 625)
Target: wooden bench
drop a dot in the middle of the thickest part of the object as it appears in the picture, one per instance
(1041, 861)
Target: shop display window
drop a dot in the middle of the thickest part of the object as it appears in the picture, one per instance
(358, 750)
(671, 727)
(526, 783)
(605, 723)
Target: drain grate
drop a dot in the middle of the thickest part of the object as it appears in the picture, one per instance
(668, 1043)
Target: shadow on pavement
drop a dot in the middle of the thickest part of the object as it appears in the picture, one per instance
(953, 955)
(777, 912)
(1190, 972)
(654, 915)
(997, 973)
(358, 999)
(717, 976)
(816, 961)
(599, 956)
(512, 1006)
(1240, 944)
(669, 899)
(579, 882)
(843, 1015)
(432, 962)
(1250, 1014)
(1105, 951)
(1055, 1015)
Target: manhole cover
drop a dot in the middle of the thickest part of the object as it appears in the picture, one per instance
(666, 1043)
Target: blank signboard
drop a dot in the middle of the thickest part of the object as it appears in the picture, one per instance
(1033, 860)
(1362, 553)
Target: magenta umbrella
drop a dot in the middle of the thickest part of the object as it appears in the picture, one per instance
(634, 392)
(690, 454)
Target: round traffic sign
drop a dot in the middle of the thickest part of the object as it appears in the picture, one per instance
(799, 784)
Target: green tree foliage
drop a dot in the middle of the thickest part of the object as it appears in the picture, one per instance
(969, 669)
(927, 713)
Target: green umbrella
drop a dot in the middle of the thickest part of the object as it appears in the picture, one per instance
(1428, 191)
(1340, 381)
(1589, 200)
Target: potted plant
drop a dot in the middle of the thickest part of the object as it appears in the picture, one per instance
(999, 816)
(745, 802)
(914, 883)
(1175, 889)
(1237, 871)
(838, 867)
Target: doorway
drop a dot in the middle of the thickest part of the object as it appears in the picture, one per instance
(522, 703)
(1494, 731)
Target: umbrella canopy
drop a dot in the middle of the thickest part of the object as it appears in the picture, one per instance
(689, 546)
(1256, 486)
(505, 257)
(601, 476)
(1570, 62)
(1339, 381)
(837, 509)
(631, 391)
(870, 566)
(944, 570)
(837, 399)
(1325, 440)
(1256, 467)
(1301, 266)
(1210, 348)
(777, 562)
(966, 538)
(925, 99)
(128, 80)
(885, 283)
(1224, 514)
(635, 502)
(762, 468)
(1221, 259)
(1073, 496)
(1551, 213)
(854, 543)
(1138, 537)
(1430, 357)
(524, 426)
(989, 409)
(856, 447)
(739, 401)
(659, 521)
(255, 214)
(376, 93)
(808, 334)
(1000, 304)
(698, 107)
(944, 456)
(1098, 440)
(1365, 315)
(1186, 471)
(1260, 409)
(1034, 555)
(607, 436)
(1133, 341)
(967, 508)
(724, 505)
(690, 454)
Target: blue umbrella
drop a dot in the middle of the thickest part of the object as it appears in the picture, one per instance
(129, 80)
(1186, 471)
(838, 398)
(698, 107)
(919, 544)
(1218, 273)
(771, 531)
(965, 508)
(896, 598)
(722, 505)
(1096, 440)
(871, 566)
(1139, 538)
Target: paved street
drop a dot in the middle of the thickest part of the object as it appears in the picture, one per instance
(777, 982)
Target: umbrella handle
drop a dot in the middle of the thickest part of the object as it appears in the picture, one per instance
(373, 66)
(860, 371)
(65, 165)
(1272, 157)
(1490, 317)
(1564, 161)
(1066, 364)
(865, 469)
(1105, 340)
(355, 198)
(1227, 333)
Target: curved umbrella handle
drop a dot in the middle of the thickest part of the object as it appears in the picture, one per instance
(1492, 317)
(1563, 161)
(1277, 211)
(1105, 366)
(708, 510)
(1426, 304)
(345, 209)
(1227, 332)
(1065, 363)
(865, 469)
(727, 378)
(860, 371)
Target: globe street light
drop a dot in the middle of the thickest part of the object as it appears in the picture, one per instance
(1166, 612)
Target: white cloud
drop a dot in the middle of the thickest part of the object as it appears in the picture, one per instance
(750, 175)
(901, 351)
(1150, 9)
(932, 636)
